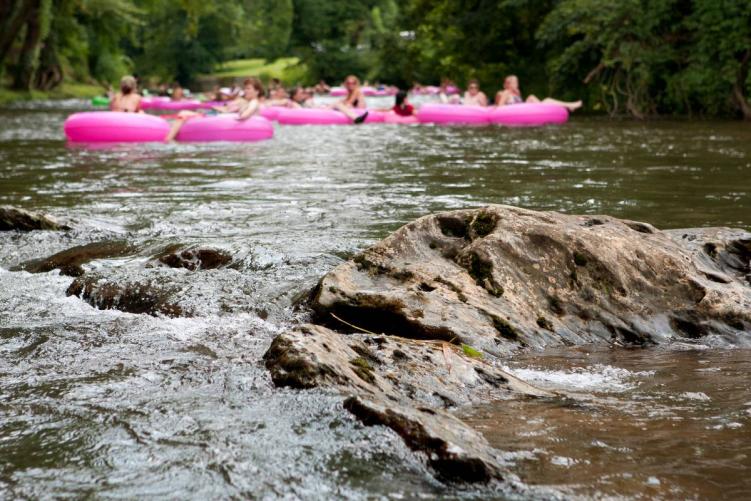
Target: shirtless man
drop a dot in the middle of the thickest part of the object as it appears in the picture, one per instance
(474, 96)
(512, 95)
(128, 98)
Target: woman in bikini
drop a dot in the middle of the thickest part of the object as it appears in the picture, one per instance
(353, 100)
(512, 95)
(245, 107)
(128, 99)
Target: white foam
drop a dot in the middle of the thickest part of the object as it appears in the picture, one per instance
(599, 378)
(696, 395)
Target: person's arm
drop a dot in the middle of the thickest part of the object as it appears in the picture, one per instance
(249, 110)
(483, 99)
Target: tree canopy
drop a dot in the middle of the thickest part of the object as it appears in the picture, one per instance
(637, 57)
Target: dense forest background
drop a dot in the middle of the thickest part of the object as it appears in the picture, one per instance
(637, 57)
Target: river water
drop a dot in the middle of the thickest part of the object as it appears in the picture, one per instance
(111, 404)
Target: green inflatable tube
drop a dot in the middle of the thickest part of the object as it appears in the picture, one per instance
(100, 101)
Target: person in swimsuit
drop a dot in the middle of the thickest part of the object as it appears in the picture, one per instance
(128, 99)
(402, 106)
(354, 99)
(474, 96)
(245, 107)
(512, 95)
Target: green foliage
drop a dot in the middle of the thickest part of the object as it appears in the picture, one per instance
(636, 57)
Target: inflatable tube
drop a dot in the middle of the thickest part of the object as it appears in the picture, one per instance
(148, 103)
(114, 127)
(528, 114)
(321, 116)
(102, 101)
(185, 104)
(337, 92)
(453, 114)
(271, 112)
(225, 127)
(393, 118)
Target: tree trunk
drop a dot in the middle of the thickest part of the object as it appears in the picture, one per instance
(13, 15)
(24, 71)
(49, 74)
(739, 91)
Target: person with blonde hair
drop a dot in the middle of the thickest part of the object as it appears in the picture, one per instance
(128, 99)
(510, 94)
(245, 107)
(354, 100)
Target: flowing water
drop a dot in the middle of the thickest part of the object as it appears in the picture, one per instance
(110, 404)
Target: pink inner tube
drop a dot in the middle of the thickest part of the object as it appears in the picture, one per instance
(114, 127)
(185, 104)
(225, 127)
(393, 118)
(322, 116)
(453, 114)
(529, 114)
(271, 112)
(337, 92)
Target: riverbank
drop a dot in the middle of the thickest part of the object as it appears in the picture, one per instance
(287, 69)
(73, 90)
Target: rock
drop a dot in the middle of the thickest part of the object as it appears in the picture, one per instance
(70, 261)
(131, 297)
(405, 385)
(193, 258)
(437, 374)
(12, 218)
(498, 279)
(454, 450)
(501, 278)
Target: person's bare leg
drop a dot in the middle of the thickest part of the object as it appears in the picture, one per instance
(356, 119)
(177, 125)
(346, 110)
(571, 105)
(532, 99)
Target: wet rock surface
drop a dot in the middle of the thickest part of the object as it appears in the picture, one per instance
(131, 297)
(406, 385)
(192, 258)
(440, 302)
(13, 218)
(501, 278)
(70, 261)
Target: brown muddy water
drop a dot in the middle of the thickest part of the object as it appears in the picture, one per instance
(108, 404)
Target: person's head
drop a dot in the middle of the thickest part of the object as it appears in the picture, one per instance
(177, 93)
(299, 95)
(351, 83)
(401, 97)
(253, 88)
(473, 87)
(128, 84)
(511, 83)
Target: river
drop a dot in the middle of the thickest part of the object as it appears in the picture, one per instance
(111, 404)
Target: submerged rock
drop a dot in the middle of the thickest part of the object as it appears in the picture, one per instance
(131, 297)
(70, 261)
(193, 258)
(438, 374)
(13, 218)
(403, 384)
(500, 278)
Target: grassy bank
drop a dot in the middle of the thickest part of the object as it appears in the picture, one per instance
(287, 69)
(64, 91)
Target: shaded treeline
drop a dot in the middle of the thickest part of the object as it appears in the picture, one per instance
(637, 57)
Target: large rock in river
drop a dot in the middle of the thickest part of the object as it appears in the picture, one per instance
(497, 279)
(500, 277)
(13, 218)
